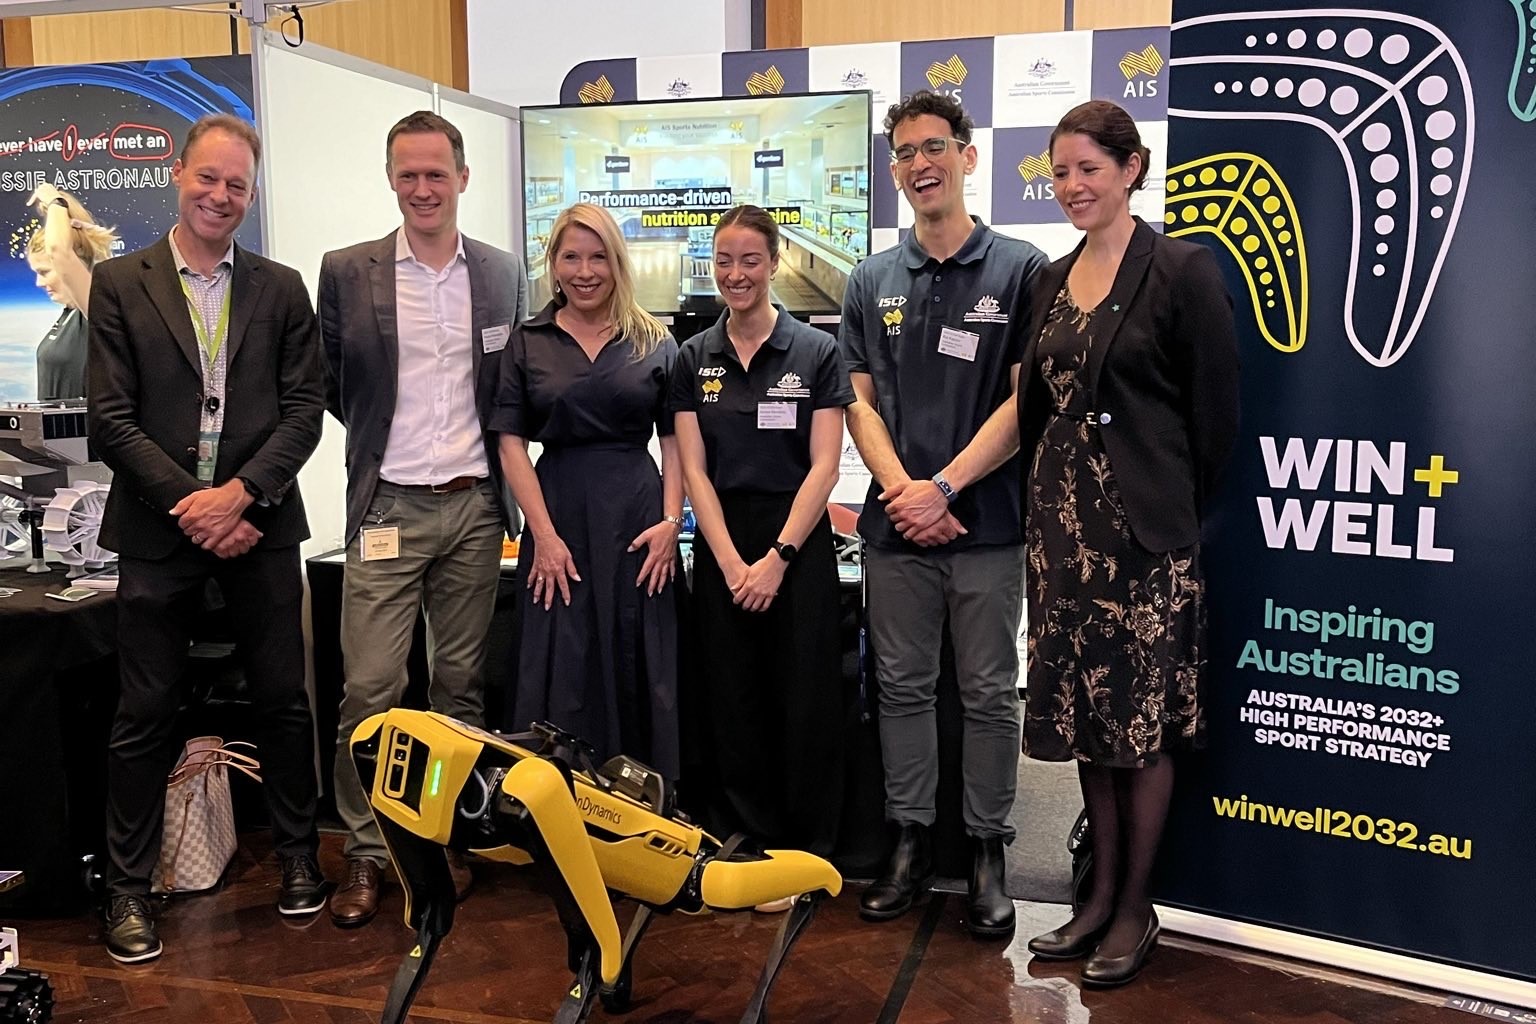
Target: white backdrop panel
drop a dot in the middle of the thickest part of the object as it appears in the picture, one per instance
(491, 209)
(326, 188)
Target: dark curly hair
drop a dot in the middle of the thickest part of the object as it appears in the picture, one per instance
(925, 102)
(1111, 129)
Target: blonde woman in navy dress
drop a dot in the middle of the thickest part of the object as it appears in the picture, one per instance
(587, 378)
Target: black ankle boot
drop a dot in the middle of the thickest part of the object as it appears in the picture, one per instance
(988, 910)
(908, 873)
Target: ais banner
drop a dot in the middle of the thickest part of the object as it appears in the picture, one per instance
(108, 134)
(1364, 177)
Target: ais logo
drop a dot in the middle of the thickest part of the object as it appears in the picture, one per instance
(1038, 179)
(765, 83)
(1146, 63)
(892, 323)
(600, 91)
(952, 71)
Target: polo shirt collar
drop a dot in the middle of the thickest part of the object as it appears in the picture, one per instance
(403, 247)
(779, 337)
(182, 264)
(973, 249)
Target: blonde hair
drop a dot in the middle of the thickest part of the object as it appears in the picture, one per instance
(90, 241)
(629, 318)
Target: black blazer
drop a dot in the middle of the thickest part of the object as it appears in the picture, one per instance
(1163, 375)
(362, 353)
(145, 390)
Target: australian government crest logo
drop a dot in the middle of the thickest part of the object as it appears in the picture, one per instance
(680, 87)
(987, 311)
(789, 386)
(853, 78)
(1041, 68)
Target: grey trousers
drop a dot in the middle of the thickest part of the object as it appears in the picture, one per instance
(981, 590)
(450, 559)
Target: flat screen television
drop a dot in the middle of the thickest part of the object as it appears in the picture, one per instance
(667, 170)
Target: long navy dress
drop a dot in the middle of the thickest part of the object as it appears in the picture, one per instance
(604, 668)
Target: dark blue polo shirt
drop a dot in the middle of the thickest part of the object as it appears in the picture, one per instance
(939, 339)
(756, 421)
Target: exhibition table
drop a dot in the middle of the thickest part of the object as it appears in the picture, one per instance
(58, 690)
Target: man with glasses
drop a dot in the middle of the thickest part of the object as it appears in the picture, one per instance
(933, 332)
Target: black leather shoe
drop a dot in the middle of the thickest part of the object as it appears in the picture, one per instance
(131, 937)
(1110, 971)
(988, 908)
(908, 873)
(304, 887)
(1064, 944)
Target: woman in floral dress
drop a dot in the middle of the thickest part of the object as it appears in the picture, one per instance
(1128, 414)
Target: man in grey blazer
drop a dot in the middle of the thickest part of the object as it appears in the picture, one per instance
(413, 327)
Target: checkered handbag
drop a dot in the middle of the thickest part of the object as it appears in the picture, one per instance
(199, 838)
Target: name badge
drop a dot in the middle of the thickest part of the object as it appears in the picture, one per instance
(776, 415)
(380, 543)
(494, 339)
(960, 344)
(207, 455)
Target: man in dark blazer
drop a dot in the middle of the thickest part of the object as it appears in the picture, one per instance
(414, 325)
(206, 396)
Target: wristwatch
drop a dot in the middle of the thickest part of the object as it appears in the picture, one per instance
(950, 494)
(785, 551)
(250, 488)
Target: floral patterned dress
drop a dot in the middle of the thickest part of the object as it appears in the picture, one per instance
(1115, 631)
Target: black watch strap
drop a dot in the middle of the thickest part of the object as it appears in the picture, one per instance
(785, 551)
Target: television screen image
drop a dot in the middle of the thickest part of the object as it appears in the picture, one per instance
(668, 170)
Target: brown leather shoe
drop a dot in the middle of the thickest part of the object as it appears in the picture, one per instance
(357, 900)
(463, 877)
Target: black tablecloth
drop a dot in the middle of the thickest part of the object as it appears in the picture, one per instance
(58, 688)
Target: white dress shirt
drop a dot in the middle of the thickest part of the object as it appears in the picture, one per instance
(435, 435)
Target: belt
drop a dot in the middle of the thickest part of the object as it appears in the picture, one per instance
(458, 483)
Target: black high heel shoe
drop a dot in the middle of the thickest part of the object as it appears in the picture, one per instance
(1111, 971)
(1059, 945)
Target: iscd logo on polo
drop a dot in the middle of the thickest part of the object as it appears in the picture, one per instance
(711, 371)
(891, 302)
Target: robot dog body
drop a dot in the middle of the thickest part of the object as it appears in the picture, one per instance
(535, 799)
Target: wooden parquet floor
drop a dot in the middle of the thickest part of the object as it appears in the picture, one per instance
(231, 959)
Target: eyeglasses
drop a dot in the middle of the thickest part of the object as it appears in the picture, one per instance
(932, 149)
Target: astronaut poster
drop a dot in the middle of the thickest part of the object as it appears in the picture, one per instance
(108, 134)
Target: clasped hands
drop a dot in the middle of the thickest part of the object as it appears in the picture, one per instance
(920, 513)
(554, 570)
(212, 518)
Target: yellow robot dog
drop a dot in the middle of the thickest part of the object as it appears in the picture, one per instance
(536, 798)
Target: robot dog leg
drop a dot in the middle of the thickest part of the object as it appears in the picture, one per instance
(438, 783)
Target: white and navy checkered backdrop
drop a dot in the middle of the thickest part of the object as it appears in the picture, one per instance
(1014, 87)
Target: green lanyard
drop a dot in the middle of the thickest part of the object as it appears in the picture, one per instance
(210, 343)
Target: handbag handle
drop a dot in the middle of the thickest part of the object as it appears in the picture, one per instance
(198, 760)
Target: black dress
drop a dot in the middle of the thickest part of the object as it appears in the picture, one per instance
(604, 668)
(1115, 631)
(61, 358)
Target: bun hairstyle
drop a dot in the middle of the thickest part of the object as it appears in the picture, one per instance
(90, 241)
(755, 218)
(1111, 129)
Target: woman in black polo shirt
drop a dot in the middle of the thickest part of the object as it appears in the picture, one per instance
(759, 403)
